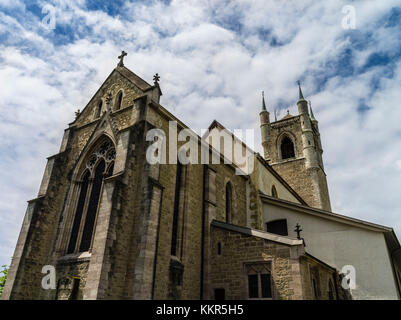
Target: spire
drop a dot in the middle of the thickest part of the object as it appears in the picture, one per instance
(312, 116)
(263, 102)
(301, 96)
(275, 115)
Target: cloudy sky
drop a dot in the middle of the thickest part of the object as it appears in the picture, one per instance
(214, 57)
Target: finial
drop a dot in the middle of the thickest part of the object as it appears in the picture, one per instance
(156, 78)
(312, 116)
(288, 112)
(121, 57)
(301, 96)
(275, 115)
(263, 101)
(77, 113)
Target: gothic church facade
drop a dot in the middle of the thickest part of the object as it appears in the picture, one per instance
(115, 226)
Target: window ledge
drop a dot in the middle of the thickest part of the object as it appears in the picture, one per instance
(81, 256)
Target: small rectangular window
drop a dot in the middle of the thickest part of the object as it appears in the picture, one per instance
(253, 286)
(265, 282)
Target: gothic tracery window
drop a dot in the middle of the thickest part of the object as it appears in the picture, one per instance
(287, 148)
(99, 164)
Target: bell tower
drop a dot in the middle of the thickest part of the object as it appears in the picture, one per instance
(293, 148)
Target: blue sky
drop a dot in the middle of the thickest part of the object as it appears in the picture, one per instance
(214, 57)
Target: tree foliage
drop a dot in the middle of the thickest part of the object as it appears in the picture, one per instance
(3, 277)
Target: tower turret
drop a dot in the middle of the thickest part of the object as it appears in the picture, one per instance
(318, 143)
(265, 127)
(308, 141)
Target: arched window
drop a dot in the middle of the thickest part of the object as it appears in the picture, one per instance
(99, 163)
(92, 206)
(277, 227)
(174, 238)
(98, 109)
(119, 100)
(287, 148)
(274, 192)
(314, 288)
(229, 202)
(331, 291)
(78, 214)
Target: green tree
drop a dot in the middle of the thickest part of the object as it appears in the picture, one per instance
(3, 277)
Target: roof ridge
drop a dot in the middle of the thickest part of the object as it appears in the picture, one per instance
(133, 77)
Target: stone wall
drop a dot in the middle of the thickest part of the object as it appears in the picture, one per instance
(228, 269)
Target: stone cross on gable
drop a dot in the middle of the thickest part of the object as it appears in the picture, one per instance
(121, 57)
(298, 231)
(156, 78)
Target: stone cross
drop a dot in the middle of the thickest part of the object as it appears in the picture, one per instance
(121, 57)
(298, 231)
(156, 78)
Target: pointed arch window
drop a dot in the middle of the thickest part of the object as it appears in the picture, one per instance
(314, 288)
(78, 214)
(331, 290)
(98, 109)
(287, 148)
(274, 192)
(92, 207)
(119, 101)
(174, 238)
(99, 164)
(229, 202)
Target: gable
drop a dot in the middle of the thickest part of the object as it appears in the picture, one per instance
(120, 79)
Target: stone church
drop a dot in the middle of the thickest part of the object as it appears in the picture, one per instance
(115, 226)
